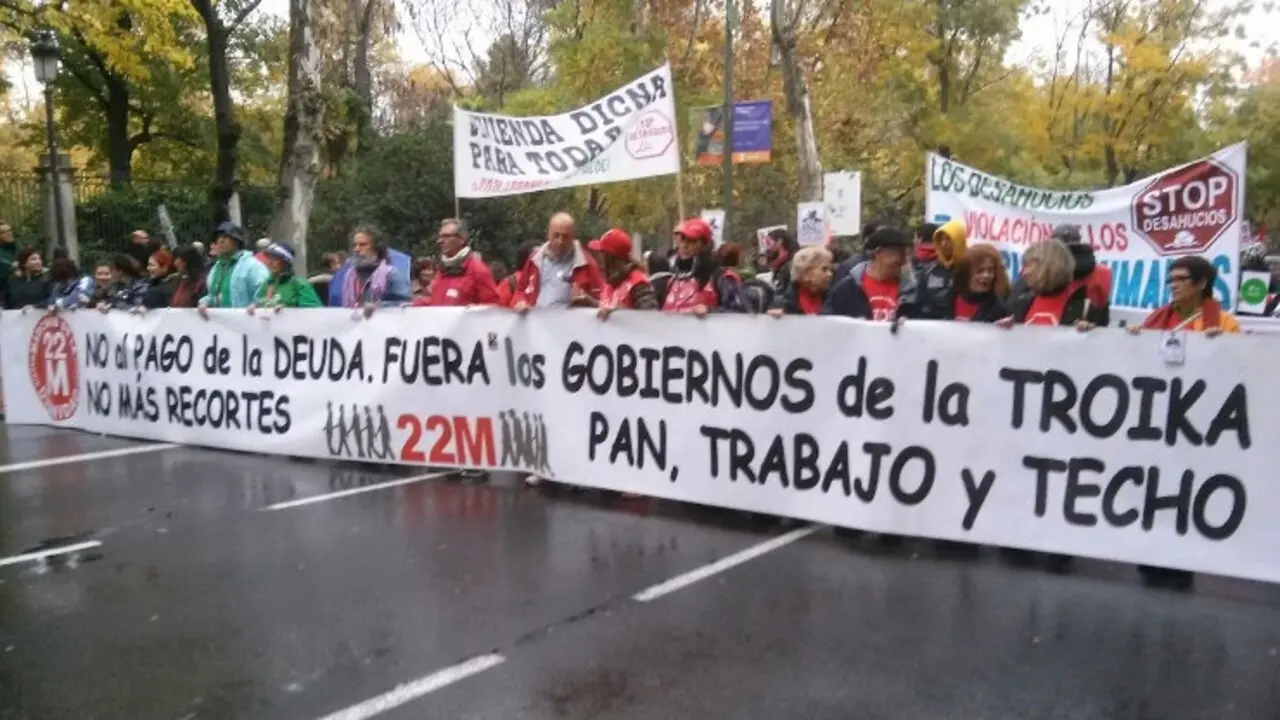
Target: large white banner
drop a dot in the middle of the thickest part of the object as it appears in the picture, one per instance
(628, 134)
(1081, 443)
(1138, 229)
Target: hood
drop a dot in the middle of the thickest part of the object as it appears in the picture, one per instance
(954, 231)
(1086, 262)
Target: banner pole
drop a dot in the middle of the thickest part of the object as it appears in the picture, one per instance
(457, 207)
(680, 197)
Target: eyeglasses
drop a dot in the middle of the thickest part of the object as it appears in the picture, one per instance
(1179, 278)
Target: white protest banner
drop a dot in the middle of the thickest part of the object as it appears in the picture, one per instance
(842, 192)
(628, 134)
(715, 218)
(1039, 438)
(1137, 230)
(811, 223)
(762, 236)
(1254, 288)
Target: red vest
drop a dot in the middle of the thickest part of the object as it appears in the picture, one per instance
(683, 295)
(619, 296)
(1048, 309)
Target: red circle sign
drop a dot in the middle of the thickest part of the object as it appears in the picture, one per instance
(54, 366)
(650, 136)
(1187, 210)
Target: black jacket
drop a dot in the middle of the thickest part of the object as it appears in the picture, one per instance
(936, 296)
(846, 296)
(24, 291)
(1072, 313)
(1086, 263)
(990, 308)
(789, 301)
(160, 292)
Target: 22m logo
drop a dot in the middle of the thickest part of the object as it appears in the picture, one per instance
(459, 440)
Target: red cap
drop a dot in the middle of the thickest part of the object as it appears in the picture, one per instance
(615, 242)
(695, 229)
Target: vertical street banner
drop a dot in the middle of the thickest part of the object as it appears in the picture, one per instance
(626, 135)
(752, 133)
(811, 223)
(1137, 229)
(842, 192)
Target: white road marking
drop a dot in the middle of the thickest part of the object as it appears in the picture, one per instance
(87, 457)
(415, 689)
(352, 491)
(42, 554)
(665, 588)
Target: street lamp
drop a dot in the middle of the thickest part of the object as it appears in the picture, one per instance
(46, 57)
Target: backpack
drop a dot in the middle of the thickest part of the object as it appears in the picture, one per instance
(759, 296)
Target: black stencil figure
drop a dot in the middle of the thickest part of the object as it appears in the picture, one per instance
(333, 432)
(519, 439)
(357, 431)
(508, 451)
(544, 457)
(384, 434)
(370, 435)
(530, 443)
(344, 437)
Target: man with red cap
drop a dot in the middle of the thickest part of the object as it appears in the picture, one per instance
(696, 276)
(625, 284)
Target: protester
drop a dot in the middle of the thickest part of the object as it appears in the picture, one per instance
(141, 246)
(29, 285)
(236, 276)
(463, 278)
(782, 248)
(980, 288)
(698, 285)
(844, 268)
(936, 260)
(1053, 296)
(260, 250)
(372, 281)
(1095, 276)
(330, 262)
(1192, 306)
(559, 273)
(625, 284)
(128, 286)
(103, 284)
(424, 274)
(285, 289)
(8, 256)
(659, 272)
(162, 280)
(188, 263)
(69, 290)
(881, 288)
(811, 272)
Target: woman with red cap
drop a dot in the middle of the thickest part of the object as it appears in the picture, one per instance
(625, 284)
(696, 276)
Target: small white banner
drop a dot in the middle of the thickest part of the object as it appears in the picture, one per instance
(1254, 288)
(1080, 443)
(715, 218)
(762, 236)
(811, 223)
(842, 192)
(628, 134)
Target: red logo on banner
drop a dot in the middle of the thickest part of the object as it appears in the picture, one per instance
(1186, 211)
(651, 135)
(55, 367)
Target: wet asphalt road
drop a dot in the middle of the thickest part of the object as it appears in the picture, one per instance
(201, 604)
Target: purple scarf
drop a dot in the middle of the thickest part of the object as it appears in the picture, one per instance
(376, 288)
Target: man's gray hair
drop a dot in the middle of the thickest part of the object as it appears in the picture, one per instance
(459, 224)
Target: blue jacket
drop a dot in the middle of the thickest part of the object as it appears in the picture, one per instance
(72, 294)
(247, 275)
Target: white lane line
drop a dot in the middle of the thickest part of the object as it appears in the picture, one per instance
(352, 491)
(87, 457)
(415, 689)
(665, 588)
(42, 554)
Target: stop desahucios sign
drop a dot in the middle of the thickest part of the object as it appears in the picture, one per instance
(1185, 211)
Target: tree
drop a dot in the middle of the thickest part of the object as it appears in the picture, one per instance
(300, 156)
(785, 18)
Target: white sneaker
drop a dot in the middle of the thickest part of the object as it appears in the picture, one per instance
(532, 481)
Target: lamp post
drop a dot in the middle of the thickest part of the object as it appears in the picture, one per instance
(46, 57)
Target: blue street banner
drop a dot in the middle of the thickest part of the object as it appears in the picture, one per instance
(752, 133)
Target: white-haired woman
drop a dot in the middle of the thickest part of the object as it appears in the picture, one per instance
(811, 271)
(1052, 297)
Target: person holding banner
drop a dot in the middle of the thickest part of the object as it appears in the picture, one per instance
(946, 245)
(1192, 307)
(980, 291)
(625, 284)
(189, 263)
(1053, 295)
(560, 273)
(284, 289)
(462, 277)
(881, 288)
(811, 272)
(236, 275)
(128, 286)
(372, 280)
(698, 285)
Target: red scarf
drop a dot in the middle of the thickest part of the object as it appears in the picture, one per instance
(1166, 318)
(926, 252)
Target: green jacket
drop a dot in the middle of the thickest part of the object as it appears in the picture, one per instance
(288, 291)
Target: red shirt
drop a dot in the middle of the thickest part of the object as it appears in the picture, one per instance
(809, 303)
(883, 297)
(619, 296)
(1047, 309)
(964, 309)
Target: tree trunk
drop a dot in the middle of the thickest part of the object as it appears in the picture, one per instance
(224, 117)
(119, 144)
(363, 84)
(796, 89)
(300, 157)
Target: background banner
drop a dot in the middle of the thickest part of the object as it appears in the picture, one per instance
(1138, 229)
(629, 133)
(752, 133)
(1079, 443)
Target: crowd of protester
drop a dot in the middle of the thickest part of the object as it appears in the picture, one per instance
(930, 273)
